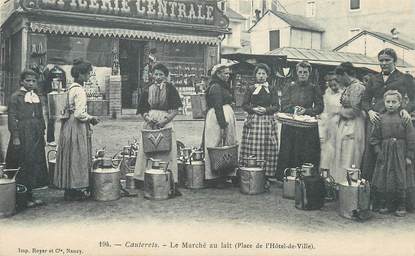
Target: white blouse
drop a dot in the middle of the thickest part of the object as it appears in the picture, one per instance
(77, 102)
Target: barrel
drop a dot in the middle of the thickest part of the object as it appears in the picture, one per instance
(7, 197)
(252, 180)
(106, 184)
(157, 184)
(195, 175)
(354, 201)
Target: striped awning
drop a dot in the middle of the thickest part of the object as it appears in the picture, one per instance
(60, 29)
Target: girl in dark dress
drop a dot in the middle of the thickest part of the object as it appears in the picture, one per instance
(394, 143)
(372, 102)
(27, 129)
(260, 131)
(298, 144)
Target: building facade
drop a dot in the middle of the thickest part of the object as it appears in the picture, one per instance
(343, 19)
(122, 39)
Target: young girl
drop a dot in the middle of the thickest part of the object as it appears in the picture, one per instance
(27, 144)
(394, 142)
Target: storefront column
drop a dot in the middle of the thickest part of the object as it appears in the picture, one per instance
(115, 96)
(25, 46)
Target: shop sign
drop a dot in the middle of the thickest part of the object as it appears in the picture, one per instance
(199, 11)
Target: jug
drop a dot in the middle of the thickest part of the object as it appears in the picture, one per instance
(354, 196)
(195, 171)
(8, 192)
(309, 192)
(288, 186)
(158, 181)
(105, 181)
(252, 177)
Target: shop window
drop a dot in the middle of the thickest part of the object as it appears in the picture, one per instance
(274, 39)
(63, 50)
(354, 4)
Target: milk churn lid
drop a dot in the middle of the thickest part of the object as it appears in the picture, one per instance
(252, 169)
(353, 168)
(155, 171)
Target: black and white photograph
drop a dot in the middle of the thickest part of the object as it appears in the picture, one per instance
(207, 127)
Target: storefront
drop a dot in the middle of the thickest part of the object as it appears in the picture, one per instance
(122, 39)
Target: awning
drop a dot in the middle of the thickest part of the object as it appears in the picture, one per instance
(331, 58)
(60, 29)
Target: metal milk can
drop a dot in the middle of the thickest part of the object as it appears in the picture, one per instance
(288, 186)
(195, 171)
(106, 184)
(252, 176)
(309, 192)
(181, 163)
(8, 192)
(354, 196)
(158, 181)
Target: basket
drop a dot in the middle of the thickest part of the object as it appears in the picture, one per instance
(289, 120)
(223, 159)
(157, 140)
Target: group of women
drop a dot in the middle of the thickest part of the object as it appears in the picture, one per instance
(366, 126)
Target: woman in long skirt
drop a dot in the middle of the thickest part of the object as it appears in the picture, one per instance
(27, 143)
(329, 123)
(220, 122)
(350, 137)
(260, 131)
(74, 152)
(158, 105)
(300, 144)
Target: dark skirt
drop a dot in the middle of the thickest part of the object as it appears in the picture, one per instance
(30, 155)
(260, 138)
(391, 173)
(298, 145)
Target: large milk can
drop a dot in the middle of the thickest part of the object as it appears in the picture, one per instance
(7, 192)
(58, 103)
(354, 196)
(252, 176)
(106, 184)
(288, 185)
(158, 181)
(309, 192)
(195, 171)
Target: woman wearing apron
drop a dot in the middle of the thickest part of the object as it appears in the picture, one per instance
(220, 122)
(74, 153)
(158, 105)
(260, 131)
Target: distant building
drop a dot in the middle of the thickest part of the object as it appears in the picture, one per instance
(232, 42)
(342, 19)
(369, 43)
(277, 29)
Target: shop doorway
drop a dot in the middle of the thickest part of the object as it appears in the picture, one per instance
(131, 64)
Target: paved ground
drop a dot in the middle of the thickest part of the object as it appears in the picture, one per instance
(226, 209)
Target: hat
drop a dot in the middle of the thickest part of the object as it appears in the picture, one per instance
(218, 67)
